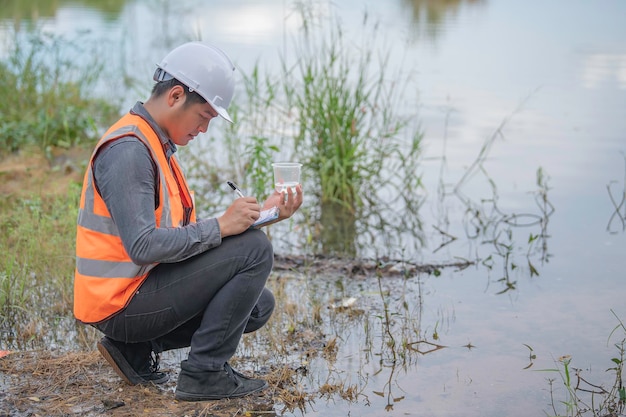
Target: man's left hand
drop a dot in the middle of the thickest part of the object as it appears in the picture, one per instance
(288, 202)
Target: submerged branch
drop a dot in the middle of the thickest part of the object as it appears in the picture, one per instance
(361, 267)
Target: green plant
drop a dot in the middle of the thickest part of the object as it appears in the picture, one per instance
(259, 150)
(350, 130)
(12, 292)
(485, 219)
(585, 398)
(37, 263)
(258, 169)
(242, 152)
(339, 111)
(45, 91)
(357, 140)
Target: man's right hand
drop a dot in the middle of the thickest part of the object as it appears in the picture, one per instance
(239, 216)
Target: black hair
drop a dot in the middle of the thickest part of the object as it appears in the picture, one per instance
(161, 87)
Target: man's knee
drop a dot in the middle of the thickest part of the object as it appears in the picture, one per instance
(259, 246)
(262, 311)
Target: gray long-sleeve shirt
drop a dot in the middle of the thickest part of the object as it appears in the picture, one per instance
(127, 179)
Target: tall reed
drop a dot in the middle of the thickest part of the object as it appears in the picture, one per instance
(352, 126)
(349, 118)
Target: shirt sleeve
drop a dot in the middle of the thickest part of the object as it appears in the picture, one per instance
(126, 177)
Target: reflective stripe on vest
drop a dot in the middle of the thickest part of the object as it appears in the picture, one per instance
(105, 276)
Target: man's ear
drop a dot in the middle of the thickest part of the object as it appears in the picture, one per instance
(176, 95)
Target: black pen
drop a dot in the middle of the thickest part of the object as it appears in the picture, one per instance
(235, 188)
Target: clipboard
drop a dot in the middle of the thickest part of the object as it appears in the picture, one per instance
(267, 217)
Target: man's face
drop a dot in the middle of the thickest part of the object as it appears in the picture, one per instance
(187, 121)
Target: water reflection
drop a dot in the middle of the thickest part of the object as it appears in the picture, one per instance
(604, 68)
(495, 227)
(338, 230)
(33, 10)
(430, 16)
(618, 201)
(488, 225)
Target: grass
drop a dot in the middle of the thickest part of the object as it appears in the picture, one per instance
(37, 266)
(348, 118)
(244, 154)
(340, 110)
(50, 103)
(360, 149)
(52, 107)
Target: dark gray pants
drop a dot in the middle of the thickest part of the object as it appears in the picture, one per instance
(206, 302)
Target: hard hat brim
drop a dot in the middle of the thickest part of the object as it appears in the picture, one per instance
(221, 111)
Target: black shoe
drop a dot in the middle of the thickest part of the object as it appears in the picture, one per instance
(133, 362)
(198, 385)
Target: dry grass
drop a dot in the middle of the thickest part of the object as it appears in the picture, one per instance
(41, 383)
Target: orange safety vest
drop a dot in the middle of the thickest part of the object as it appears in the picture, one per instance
(106, 278)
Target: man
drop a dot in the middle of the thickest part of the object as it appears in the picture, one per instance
(151, 276)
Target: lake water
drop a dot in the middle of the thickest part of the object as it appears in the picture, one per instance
(557, 71)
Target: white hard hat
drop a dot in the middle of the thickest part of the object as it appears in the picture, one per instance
(203, 68)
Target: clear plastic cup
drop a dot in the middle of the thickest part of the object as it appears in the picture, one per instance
(286, 175)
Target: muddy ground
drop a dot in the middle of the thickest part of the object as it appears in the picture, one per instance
(49, 383)
(41, 383)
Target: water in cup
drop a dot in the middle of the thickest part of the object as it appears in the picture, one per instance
(283, 186)
(286, 175)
